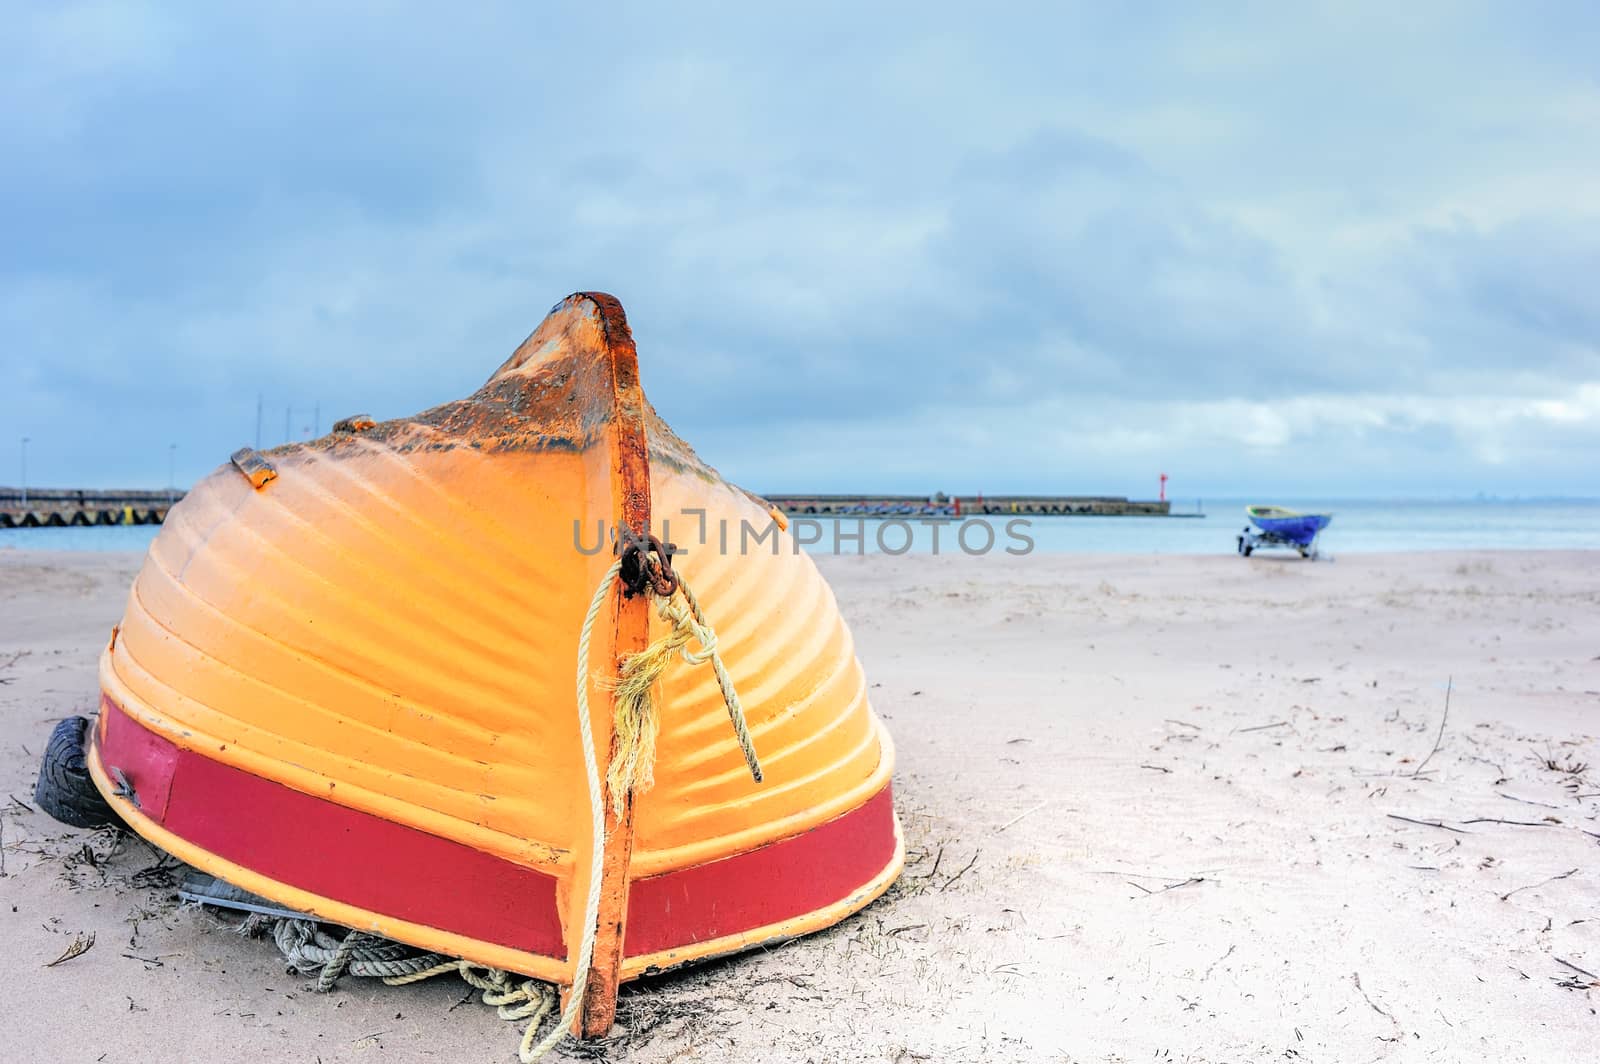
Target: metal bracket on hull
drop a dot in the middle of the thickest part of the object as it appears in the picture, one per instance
(354, 423)
(256, 469)
(646, 562)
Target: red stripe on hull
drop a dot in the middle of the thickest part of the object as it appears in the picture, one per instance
(330, 849)
(759, 888)
(359, 859)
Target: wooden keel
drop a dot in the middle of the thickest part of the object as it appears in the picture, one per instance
(630, 487)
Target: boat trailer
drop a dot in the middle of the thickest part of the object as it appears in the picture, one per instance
(1251, 540)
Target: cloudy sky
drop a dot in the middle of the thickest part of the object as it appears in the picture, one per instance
(1056, 248)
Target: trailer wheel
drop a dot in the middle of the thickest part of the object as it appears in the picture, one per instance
(64, 789)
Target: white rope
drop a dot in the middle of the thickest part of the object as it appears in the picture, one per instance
(695, 621)
(591, 913)
(597, 818)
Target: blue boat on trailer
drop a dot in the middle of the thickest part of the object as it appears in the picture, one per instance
(1277, 527)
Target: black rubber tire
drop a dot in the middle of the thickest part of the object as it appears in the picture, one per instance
(64, 789)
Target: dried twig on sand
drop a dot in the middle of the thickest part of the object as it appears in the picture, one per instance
(904, 928)
(1379, 1009)
(946, 885)
(1427, 823)
(1507, 895)
(7, 662)
(1514, 823)
(1575, 968)
(1264, 727)
(934, 870)
(80, 945)
(1527, 801)
(1448, 687)
(1019, 816)
(1191, 881)
(1571, 767)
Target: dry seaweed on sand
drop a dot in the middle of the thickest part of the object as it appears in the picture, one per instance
(80, 945)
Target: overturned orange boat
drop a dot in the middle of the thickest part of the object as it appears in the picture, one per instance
(346, 681)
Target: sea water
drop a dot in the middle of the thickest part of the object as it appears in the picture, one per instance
(1359, 526)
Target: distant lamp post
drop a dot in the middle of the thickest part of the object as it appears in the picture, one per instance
(172, 477)
(25, 470)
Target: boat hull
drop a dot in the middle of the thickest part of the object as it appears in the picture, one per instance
(345, 681)
(1299, 529)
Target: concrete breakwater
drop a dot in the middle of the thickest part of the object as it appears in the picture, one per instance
(63, 507)
(942, 505)
(66, 507)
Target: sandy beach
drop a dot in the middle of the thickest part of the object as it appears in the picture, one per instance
(1171, 809)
